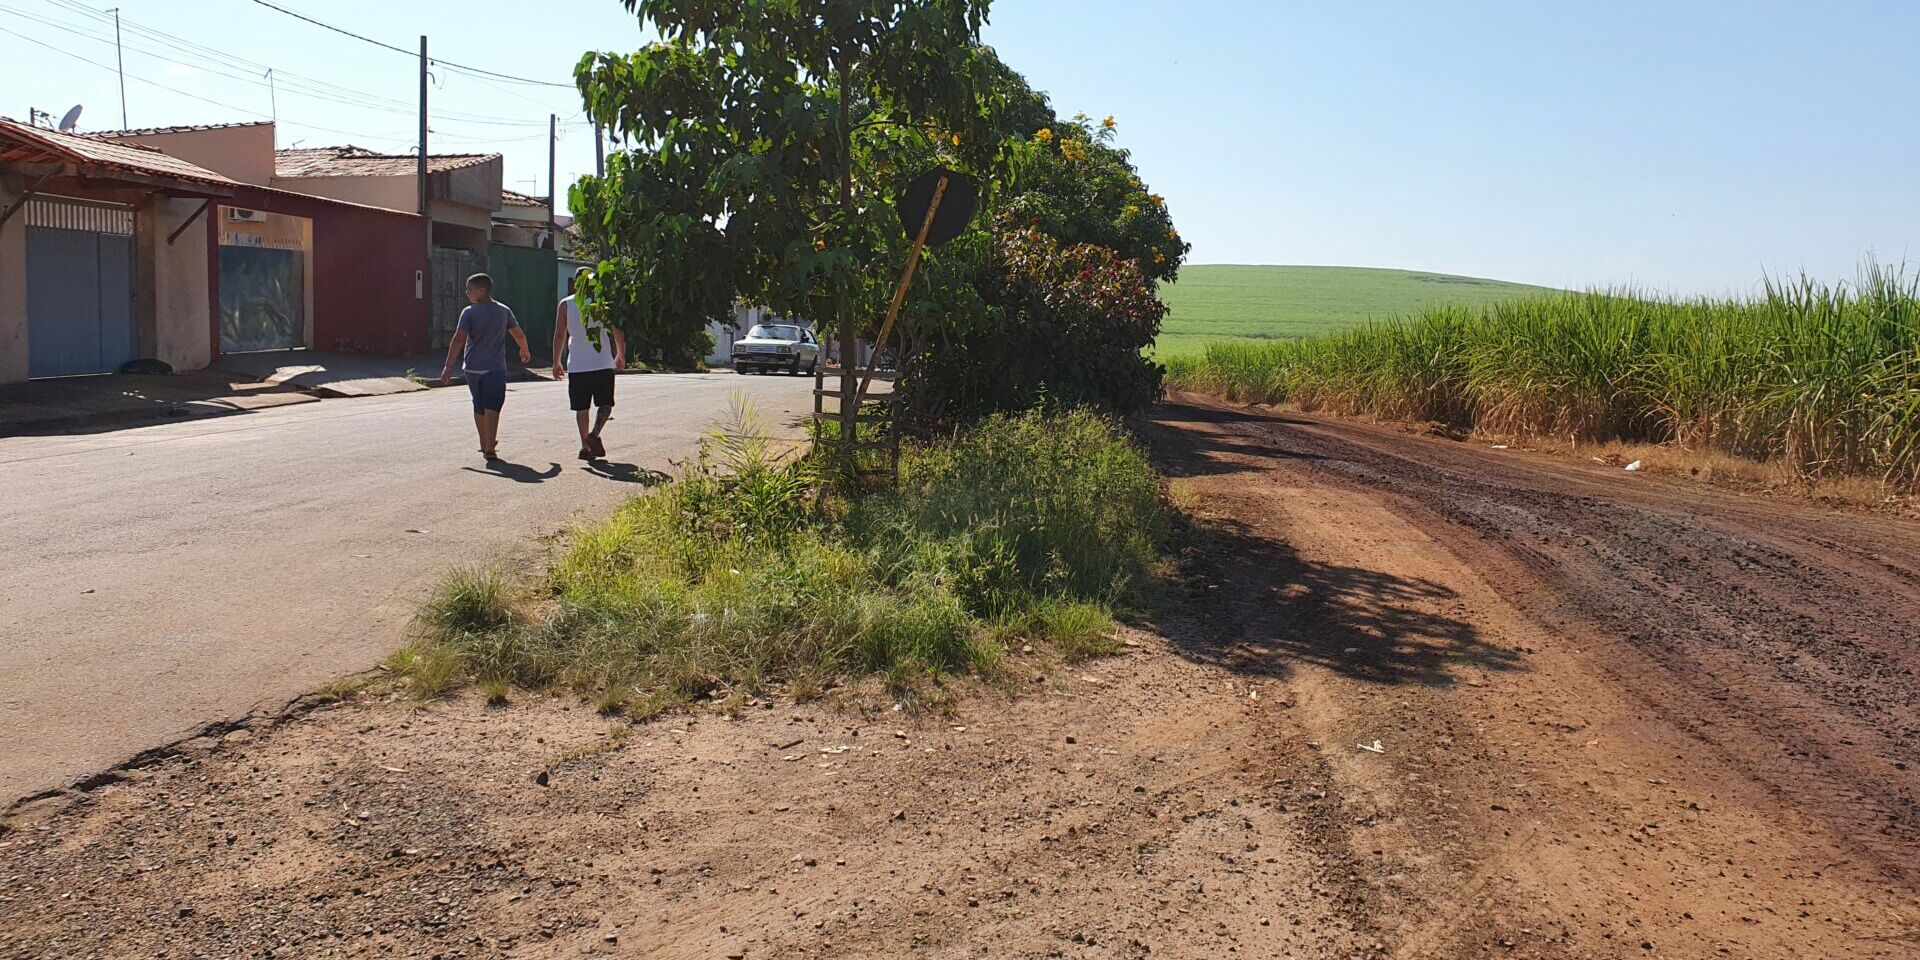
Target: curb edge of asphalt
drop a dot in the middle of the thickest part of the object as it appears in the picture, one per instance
(54, 800)
(71, 423)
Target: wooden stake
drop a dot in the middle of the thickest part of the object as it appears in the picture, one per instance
(900, 292)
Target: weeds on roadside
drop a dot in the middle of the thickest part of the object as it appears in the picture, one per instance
(739, 576)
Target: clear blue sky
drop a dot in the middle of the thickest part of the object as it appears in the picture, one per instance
(1685, 146)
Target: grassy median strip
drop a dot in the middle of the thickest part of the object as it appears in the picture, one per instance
(738, 576)
(1825, 380)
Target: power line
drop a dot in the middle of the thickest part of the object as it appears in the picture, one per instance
(224, 65)
(194, 96)
(221, 64)
(445, 63)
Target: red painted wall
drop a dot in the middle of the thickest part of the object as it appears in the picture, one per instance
(364, 261)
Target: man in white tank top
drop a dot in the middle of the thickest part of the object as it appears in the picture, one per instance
(588, 368)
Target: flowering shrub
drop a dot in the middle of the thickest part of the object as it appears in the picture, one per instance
(1056, 301)
(1057, 324)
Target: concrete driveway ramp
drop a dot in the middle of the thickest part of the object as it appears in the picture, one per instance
(326, 374)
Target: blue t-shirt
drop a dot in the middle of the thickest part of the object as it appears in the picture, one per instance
(486, 324)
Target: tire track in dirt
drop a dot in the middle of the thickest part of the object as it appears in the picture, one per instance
(1653, 779)
(1794, 656)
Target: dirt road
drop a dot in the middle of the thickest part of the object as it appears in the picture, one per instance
(1614, 717)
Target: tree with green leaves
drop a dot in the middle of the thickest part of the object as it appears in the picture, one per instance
(1057, 301)
(768, 141)
(766, 137)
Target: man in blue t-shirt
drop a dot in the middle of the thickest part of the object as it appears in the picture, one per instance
(480, 341)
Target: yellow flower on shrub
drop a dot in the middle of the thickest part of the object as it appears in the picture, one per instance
(1158, 200)
(1073, 150)
(1108, 122)
(1045, 135)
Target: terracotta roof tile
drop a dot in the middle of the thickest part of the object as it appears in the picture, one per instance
(27, 144)
(351, 161)
(513, 198)
(181, 128)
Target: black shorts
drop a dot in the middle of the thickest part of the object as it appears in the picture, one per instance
(591, 387)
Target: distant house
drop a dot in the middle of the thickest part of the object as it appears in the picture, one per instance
(463, 189)
(463, 194)
(100, 261)
(354, 252)
(181, 244)
(523, 221)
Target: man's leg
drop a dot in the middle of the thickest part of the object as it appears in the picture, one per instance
(600, 417)
(494, 398)
(489, 430)
(580, 420)
(603, 404)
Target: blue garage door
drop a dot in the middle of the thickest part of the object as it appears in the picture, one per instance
(79, 287)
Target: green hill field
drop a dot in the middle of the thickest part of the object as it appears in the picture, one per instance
(1226, 302)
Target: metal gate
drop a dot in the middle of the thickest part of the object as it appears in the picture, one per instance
(523, 279)
(451, 268)
(262, 299)
(80, 316)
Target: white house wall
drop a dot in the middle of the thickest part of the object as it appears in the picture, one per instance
(182, 307)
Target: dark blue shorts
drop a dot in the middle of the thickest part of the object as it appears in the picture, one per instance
(489, 390)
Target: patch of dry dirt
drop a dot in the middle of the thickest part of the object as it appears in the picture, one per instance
(1614, 719)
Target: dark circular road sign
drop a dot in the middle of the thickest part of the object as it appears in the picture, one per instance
(956, 205)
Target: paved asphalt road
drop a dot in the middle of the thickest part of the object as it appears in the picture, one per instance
(157, 579)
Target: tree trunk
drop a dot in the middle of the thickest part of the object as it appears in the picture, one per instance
(849, 342)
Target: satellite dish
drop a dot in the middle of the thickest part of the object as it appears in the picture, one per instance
(67, 122)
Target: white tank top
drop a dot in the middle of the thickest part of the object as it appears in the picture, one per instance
(582, 357)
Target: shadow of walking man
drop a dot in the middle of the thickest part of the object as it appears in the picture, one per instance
(517, 472)
(625, 473)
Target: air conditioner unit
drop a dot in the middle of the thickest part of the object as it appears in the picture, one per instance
(250, 216)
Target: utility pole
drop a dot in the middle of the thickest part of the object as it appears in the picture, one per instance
(599, 151)
(553, 191)
(273, 99)
(120, 58)
(426, 217)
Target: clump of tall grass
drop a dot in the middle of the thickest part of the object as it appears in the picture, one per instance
(1823, 378)
(739, 575)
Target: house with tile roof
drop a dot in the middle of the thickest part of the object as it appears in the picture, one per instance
(100, 262)
(463, 194)
(180, 244)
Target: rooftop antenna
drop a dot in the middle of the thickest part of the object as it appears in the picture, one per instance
(71, 118)
(120, 58)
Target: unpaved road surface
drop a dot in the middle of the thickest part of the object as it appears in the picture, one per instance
(158, 579)
(1615, 716)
